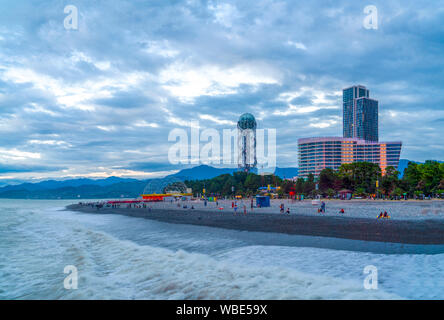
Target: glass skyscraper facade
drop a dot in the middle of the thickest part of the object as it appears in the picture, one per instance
(359, 142)
(360, 114)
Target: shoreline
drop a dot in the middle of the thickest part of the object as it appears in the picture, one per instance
(421, 232)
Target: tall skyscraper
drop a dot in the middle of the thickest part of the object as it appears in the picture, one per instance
(359, 143)
(360, 114)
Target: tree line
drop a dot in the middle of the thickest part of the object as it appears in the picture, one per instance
(364, 179)
(239, 183)
(361, 178)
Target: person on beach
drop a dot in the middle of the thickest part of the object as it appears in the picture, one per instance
(342, 211)
(288, 210)
(245, 209)
(235, 208)
(282, 207)
(323, 207)
(380, 215)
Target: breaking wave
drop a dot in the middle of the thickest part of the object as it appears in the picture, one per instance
(35, 247)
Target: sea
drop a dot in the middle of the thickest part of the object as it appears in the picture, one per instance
(47, 252)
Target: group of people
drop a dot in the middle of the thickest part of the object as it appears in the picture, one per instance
(383, 215)
(234, 206)
(282, 207)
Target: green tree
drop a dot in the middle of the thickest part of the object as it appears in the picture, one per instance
(327, 179)
(360, 175)
(309, 185)
(300, 185)
(390, 180)
(331, 193)
(411, 177)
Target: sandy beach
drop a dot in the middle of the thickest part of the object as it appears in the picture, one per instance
(426, 228)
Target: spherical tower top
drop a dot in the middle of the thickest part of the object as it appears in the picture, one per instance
(246, 121)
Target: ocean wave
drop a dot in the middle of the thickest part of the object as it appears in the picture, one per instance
(110, 268)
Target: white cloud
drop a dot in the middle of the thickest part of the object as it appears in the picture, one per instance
(49, 142)
(18, 155)
(187, 82)
(292, 109)
(143, 123)
(161, 48)
(323, 124)
(224, 14)
(297, 45)
(216, 120)
(79, 95)
(81, 56)
(106, 128)
(36, 108)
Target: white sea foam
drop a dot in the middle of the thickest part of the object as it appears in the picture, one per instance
(37, 242)
(413, 276)
(36, 246)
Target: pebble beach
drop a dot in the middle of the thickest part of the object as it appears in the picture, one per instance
(411, 222)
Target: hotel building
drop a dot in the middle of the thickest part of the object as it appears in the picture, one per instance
(316, 154)
(359, 143)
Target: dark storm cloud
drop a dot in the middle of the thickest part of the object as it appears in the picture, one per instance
(104, 98)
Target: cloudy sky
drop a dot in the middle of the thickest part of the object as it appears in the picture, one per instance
(102, 99)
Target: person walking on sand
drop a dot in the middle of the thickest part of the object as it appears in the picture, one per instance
(288, 210)
(323, 207)
(282, 208)
(235, 208)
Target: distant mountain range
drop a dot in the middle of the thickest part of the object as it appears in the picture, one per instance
(202, 172)
(115, 187)
(207, 172)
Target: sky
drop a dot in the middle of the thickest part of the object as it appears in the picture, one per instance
(101, 99)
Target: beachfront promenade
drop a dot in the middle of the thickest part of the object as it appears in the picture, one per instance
(415, 222)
